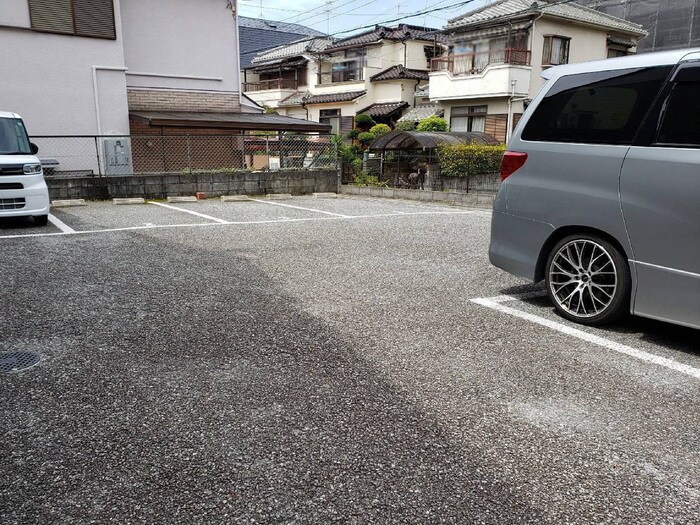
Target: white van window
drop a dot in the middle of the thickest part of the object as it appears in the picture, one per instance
(13, 137)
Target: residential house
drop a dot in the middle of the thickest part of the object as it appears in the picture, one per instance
(672, 24)
(499, 51)
(111, 67)
(377, 72)
(258, 35)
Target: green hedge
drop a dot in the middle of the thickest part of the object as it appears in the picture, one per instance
(466, 160)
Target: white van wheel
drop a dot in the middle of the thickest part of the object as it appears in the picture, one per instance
(588, 280)
(41, 220)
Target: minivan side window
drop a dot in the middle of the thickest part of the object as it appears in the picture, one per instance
(602, 107)
(681, 117)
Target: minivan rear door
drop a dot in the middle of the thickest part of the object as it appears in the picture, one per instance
(660, 195)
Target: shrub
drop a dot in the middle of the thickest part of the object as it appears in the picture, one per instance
(363, 178)
(357, 166)
(465, 160)
(406, 125)
(364, 122)
(432, 124)
(365, 138)
(379, 129)
(352, 134)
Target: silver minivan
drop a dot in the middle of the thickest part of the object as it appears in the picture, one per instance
(601, 190)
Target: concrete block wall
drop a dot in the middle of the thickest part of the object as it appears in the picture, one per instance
(474, 199)
(160, 186)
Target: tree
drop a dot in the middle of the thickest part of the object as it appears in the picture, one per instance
(432, 124)
(405, 125)
(379, 129)
(364, 122)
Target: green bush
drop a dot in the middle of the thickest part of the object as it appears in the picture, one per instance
(406, 125)
(365, 138)
(352, 134)
(364, 122)
(363, 178)
(379, 129)
(432, 124)
(465, 160)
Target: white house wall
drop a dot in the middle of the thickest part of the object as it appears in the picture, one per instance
(55, 93)
(587, 43)
(164, 49)
(15, 13)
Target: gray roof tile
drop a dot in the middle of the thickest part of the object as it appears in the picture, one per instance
(509, 9)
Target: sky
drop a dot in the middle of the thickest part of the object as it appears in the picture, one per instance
(336, 16)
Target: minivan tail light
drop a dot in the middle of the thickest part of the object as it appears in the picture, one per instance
(512, 162)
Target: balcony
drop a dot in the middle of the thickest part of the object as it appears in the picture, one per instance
(492, 74)
(275, 83)
(475, 63)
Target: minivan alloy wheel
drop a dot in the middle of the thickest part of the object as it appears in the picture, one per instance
(586, 279)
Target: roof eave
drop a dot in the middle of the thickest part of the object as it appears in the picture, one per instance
(639, 32)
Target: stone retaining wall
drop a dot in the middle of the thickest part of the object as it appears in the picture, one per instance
(160, 186)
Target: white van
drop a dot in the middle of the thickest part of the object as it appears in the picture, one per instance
(23, 191)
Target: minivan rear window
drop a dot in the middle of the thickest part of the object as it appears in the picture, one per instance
(603, 107)
(681, 117)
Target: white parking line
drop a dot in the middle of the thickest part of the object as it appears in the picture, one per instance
(60, 224)
(202, 215)
(305, 209)
(496, 303)
(232, 223)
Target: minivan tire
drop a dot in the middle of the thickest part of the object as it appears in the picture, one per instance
(41, 220)
(588, 280)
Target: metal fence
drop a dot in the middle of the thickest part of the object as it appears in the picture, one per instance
(419, 170)
(108, 155)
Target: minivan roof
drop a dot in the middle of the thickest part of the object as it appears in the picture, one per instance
(662, 58)
(7, 114)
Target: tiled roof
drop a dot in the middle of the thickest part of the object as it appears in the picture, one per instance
(398, 72)
(295, 99)
(421, 112)
(302, 97)
(293, 49)
(275, 25)
(333, 97)
(383, 109)
(509, 9)
(257, 35)
(400, 32)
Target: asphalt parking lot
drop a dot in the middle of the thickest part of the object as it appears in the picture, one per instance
(323, 361)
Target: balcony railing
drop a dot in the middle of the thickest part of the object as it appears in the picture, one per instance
(275, 83)
(473, 63)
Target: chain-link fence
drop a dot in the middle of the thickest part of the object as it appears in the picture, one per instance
(408, 169)
(98, 156)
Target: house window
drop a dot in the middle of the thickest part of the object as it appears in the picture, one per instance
(91, 18)
(332, 117)
(556, 51)
(468, 118)
(349, 69)
(614, 52)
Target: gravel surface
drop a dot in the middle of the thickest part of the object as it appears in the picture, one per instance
(321, 371)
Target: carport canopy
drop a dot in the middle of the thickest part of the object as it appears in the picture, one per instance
(426, 140)
(233, 121)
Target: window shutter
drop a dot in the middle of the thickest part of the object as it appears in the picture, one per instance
(346, 123)
(74, 17)
(51, 15)
(94, 18)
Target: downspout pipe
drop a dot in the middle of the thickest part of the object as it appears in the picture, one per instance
(96, 93)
